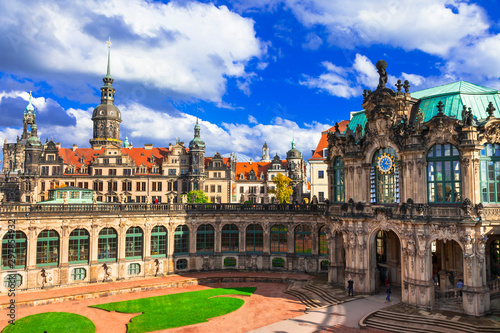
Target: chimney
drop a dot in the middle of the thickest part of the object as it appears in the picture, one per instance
(58, 145)
(148, 146)
(75, 147)
(170, 146)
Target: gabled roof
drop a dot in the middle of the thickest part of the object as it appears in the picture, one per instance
(246, 167)
(225, 160)
(323, 141)
(454, 96)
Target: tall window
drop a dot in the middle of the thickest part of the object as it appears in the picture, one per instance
(279, 239)
(443, 174)
(338, 180)
(47, 248)
(490, 173)
(254, 239)
(384, 177)
(381, 247)
(158, 241)
(181, 240)
(78, 246)
(107, 245)
(323, 244)
(205, 239)
(15, 241)
(303, 240)
(230, 238)
(133, 243)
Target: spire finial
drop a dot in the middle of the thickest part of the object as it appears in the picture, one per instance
(109, 51)
(293, 140)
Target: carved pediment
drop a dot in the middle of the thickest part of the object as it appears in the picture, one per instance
(442, 129)
(490, 133)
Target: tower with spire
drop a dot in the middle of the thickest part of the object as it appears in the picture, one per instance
(265, 153)
(196, 159)
(106, 117)
(296, 171)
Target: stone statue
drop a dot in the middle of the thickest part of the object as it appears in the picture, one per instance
(419, 122)
(107, 272)
(381, 67)
(467, 118)
(122, 198)
(65, 197)
(94, 198)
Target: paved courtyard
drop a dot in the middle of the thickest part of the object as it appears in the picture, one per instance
(269, 309)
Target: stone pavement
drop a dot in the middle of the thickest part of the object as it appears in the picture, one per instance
(346, 315)
(103, 289)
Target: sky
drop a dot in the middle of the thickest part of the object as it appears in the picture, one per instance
(254, 70)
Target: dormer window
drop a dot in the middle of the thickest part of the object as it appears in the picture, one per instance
(325, 152)
(252, 175)
(217, 164)
(262, 176)
(242, 176)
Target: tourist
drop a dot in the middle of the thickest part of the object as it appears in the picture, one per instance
(350, 287)
(460, 285)
(388, 291)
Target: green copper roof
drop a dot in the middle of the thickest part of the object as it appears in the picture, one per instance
(454, 96)
(358, 118)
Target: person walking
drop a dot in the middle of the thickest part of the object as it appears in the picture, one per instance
(350, 287)
(388, 291)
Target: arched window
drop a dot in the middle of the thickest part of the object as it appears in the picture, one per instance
(78, 251)
(205, 239)
(384, 177)
(14, 241)
(381, 247)
(279, 239)
(254, 239)
(133, 243)
(490, 173)
(181, 240)
(230, 238)
(443, 174)
(47, 248)
(158, 241)
(107, 245)
(323, 244)
(338, 180)
(303, 240)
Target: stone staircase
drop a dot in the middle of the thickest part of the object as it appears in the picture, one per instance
(406, 323)
(314, 296)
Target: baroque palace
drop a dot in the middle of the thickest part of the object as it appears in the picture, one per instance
(412, 183)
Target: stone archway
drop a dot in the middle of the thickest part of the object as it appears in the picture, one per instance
(385, 259)
(336, 273)
(447, 265)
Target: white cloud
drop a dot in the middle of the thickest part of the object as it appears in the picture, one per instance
(313, 41)
(252, 120)
(431, 26)
(189, 49)
(334, 81)
(367, 73)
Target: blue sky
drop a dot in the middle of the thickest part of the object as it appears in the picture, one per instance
(256, 70)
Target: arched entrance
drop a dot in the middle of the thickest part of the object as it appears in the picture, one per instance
(447, 266)
(386, 259)
(336, 274)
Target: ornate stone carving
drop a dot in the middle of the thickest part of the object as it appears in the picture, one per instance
(467, 206)
(381, 67)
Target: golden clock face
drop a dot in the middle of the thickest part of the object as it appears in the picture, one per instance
(385, 163)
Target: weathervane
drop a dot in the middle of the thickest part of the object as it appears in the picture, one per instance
(109, 42)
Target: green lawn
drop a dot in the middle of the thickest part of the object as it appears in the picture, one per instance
(169, 311)
(52, 322)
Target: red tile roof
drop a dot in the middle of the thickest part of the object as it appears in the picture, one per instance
(323, 142)
(225, 160)
(140, 156)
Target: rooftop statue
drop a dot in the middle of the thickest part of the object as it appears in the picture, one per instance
(381, 67)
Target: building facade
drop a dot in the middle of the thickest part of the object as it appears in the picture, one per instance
(318, 166)
(414, 190)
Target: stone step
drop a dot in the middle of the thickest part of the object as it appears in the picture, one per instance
(305, 299)
(324, 295)
(402, 322)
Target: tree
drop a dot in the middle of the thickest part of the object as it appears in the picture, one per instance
(283, 189)
(200, 197)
